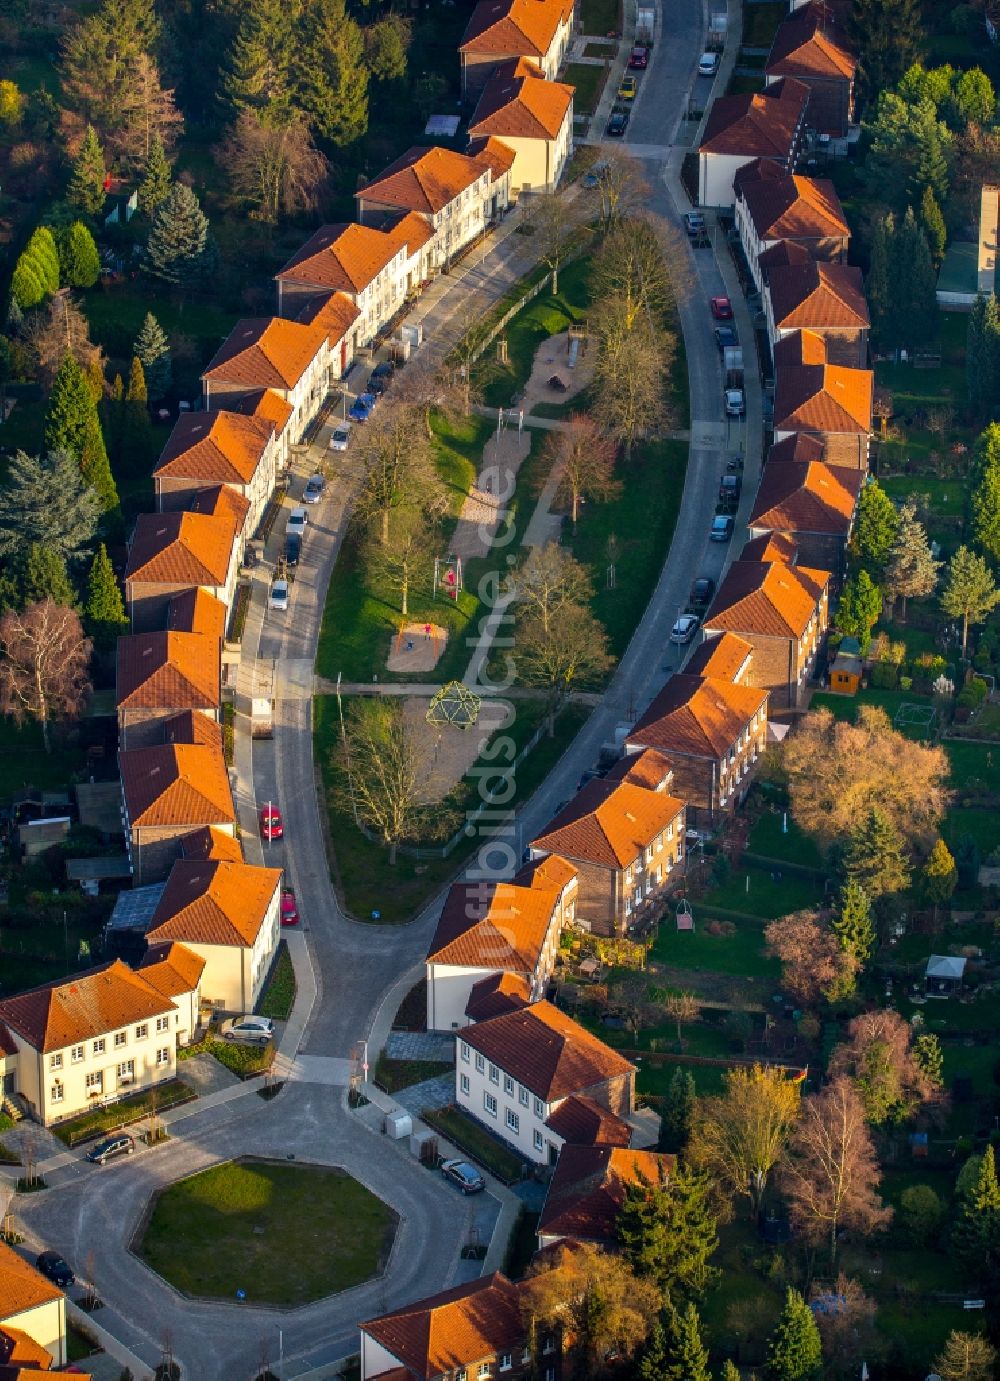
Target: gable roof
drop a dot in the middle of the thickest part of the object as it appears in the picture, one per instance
(811, 497)
(209, 842)
(19, 1349)
(609, 822)
(192, 726)
(196, 611)
(698, 716)
(410, 230)
(74, 1009)
(799, 348)
(759, 124)
(172, 968)
(264, 403)
(547, 1051)
(21, 1286)
(770, 546)
(809, 44)
(222, 501)
(180, 549)
(514, 27)
(167, 671)
(823, 398)
(724, 658)
(345, 257)
(492, 153)
(800, 446)
(176, 784)
(587, 1190)
(550, 872)
(214, 903)
(504, 930)
(215, 447)
(517, 102)
(266, 352)
(424, 179)
(582, 1122)
(648, 768)
(437, 1335)
(781, 254)
(497, 994)
(767, 597)
(333, 313)
(818, 295)
(783, 206)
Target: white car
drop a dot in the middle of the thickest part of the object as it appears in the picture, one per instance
(341, 437)
(297, 520)
(708, 64)
(736, 404)
(278, 598)
(256, 1030)
(684, 629)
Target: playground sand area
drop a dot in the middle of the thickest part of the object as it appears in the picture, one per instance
(552, 361)
(417, 647)
(445, 752)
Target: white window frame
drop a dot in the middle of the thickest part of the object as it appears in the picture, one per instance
(465, 1051)
(494, 1074)
(488, 1099)
(480, 1064)
(126, 1070)
(508, 1085)
(77, 1054)
(538, 1140)
(539, 1108)
(163, 1056)
(162, 1023)
(57, 1092)
(95, 1079)
(99, 1046)
(463, 1083)
(142, 1031)
(121, 1039)
(523, 1096)
(56, 1061)
(512, 1122)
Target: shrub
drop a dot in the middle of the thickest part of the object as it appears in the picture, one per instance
(921, 1213)
(972, 694)
(884, 676)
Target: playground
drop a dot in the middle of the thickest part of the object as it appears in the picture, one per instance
(417, 647)
(563, 367)
(447, 752)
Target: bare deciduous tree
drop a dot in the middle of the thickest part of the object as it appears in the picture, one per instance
(409, 546)
(572, 650)
(838, 771)
(631, 278)
(621, 187)
(681, 1008)
(273, 169)
(398, 470)
(878, 1056)
(381, 770)
(813, 965)
(848, 1330)
(549, 580)
(830, 1175)
(555, 230)
(966, 1357)
(57, 329)
(43, 666)
(630, 383)
(148, 109)
(584, 459)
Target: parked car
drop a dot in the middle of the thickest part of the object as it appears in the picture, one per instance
(278, 598)
(297, 520)
(638, 59)
(361, 409)
(726, 338)
(627, 88)
(460, 1172)
(592, 178)
(735, 465)
(255, 1030)
(341, 437)
(736, 403)
(708, 64)
(271, 824)
(121, 1144)
(722, 528)
(684, 629)
(54, 1268)
(377, 384)
(618, 124)
(722, 308)
(730, 488)
(694, 224)
(702, 591)
(289, 909)
(313, 491)
(293, 549)
(385, 370)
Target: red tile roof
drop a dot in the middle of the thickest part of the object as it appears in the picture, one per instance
(192, 726)
(423, 179)
(550, 872)
(823, 398)
(761, 124)
(168, 671)
(609, 823)
(180, 549)
(334, 313)
(221, 501)
(786, 207)
(210, 842)
(260, 402)
(582, 1122)
(266, 352)
(492, 153)
(514, 27)
(547, 1051)
(75, 1009)
(767, 598)
(214, 903)
(196, 611)
(8, 1045)
(771, 546)
(698, 717)
(517, 102)
(21, 1286)
(172, 968)
(505, 929)
(806, 498)
(177, 784)
(724, 658)
(215, 447)
(439, 1335)
(648, 768)
(809, 44)
(411, 230)
(801, 446)
(587, 1191)
(781, 254)
(818, 296)
(18, 1349)
(798, 348)
(496, 995)
(341, 257)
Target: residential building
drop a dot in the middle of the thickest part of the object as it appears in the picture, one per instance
(579, 1121)
(96, 1036)
(783, 612)
(624, 834)
(220, 501)
(196, 611)
(338, 315)
(267, 352)
(497, 927)
(800, 446)
(813, 504)
(171, 553)
(773, 204)
(587, 1191)
(501, 30)
(176, 971)
(712, 732)
(773, 546)
(270, 407)
(725, 659)
(228, 915)
(209, 843)
(456, 194)
(159, 674)
(768, 124)
(513, 1072)
(471, 1331)
(366, 265)
(32, 1308)
(22, 1359)
(496, 995)
(167, 793)
(533, 117)
(814, 49)
(218, 448)
(825, 299)
(823, 400)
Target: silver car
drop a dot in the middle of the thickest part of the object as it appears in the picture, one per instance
(313, 491)
(256, 1030)
(297, 520)
(341, 437)
(278, 598)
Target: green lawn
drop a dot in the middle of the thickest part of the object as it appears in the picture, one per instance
(393, 1075)
(976, 1062)
(588, 80)
(983, 825)
(599, 17)
(24, 761)
(755, 892)
(116, 315)
(742, 953)
(973, 762)
(770, 838)
(760, 23)
(278, 997)
(284, 1234)
(846, 706)
(476, 1142)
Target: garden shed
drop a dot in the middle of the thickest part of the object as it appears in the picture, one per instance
(845, 673)
(944, 975)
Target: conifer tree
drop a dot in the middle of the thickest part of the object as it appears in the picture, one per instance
(982, 354)
(859, 608)
(156, 178)
(177, 237)
(45, 499)
(136, 430)
(976, 1237)
(678, 1107)
(877, 286)
(95, 378)
(852, 922)
(79, 261)
(876, 524)
(688, 1354)
(152, 350)
(929, 1057)
(984, 503)
(332, 86)
(654, 1359)
(72, 424)
(939, 876)
(970, 592)
(668, 1233)
(875, 857)
(933, 225)
(795, 1352)
(912, 568)
(260, 63)
(43, 575)
(86, 182)
(104, 611)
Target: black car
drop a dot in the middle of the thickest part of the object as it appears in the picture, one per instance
(730, 488)
(618, 124)
(377, 384)
(726, 338)
(702, 591)
(735, 465)
(119, 1145)
(54, 1268)
(385, 370)
(293, 548)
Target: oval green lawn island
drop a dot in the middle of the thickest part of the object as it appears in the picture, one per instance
(283, 1234)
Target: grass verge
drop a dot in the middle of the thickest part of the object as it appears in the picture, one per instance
(475, 1141)
(393, 1075)
(278, 998)
(131, 1109)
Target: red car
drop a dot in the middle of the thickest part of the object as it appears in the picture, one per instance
(271, 824)
(638, 59)
(722, 308)
(289, 909)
